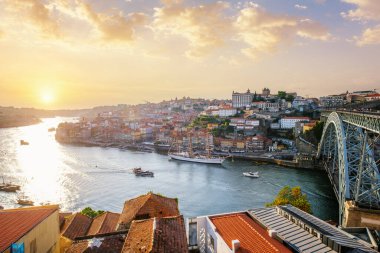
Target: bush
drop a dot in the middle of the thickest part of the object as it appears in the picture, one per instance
(292, 196)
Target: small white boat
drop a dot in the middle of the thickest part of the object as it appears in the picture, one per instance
(251, 174)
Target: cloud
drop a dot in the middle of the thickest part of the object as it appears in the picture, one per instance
(203, 26)
(365, 10)
(265, 32)
(114, 25)
(37, 14)
(300, 7)
(370, 36)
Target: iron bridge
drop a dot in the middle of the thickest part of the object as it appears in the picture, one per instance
(349, 151)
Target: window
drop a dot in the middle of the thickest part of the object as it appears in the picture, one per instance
(33, 246)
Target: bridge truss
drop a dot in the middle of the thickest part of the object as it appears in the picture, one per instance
(349, 151)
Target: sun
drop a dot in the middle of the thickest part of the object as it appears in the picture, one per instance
(47, 97)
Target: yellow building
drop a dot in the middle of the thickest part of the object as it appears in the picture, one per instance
(30, 230)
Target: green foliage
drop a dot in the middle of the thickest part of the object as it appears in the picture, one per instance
(292, 196)
(88, 211)
(202, 121)
(281, 94)
(289, 98)
(318, 130)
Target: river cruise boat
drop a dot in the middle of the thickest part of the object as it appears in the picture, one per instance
(142, 173)
(189, 156)
(251, 174)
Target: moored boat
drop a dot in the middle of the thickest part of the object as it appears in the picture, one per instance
(184, 156)
(23, 200)
(189, 156)
(251, 174)
(22, 142)
(9, 187)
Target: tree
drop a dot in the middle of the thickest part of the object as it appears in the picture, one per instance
(289, 98)
(281, 94)
(292, 196)
(88, 211)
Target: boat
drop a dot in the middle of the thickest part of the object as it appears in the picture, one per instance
(9, 187)
(52, 129)
(189, 156)
(186, 157)
(142, 173)
(23, 200)
(22, 142)
(251, 174)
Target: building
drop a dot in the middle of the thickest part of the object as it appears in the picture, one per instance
(267, 106)
(290, 122)
(274, 229)
(372, 97)
(157, 235)
(240, 100)
(145, 207)
(332, 101)
(259, 143)
(266, 92)
(30, 230)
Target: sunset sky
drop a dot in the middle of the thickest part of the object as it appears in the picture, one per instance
(82, 53)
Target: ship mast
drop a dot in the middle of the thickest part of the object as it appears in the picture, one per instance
(190, 151)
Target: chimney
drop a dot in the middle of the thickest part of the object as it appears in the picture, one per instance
(272, 233)
(235, 245)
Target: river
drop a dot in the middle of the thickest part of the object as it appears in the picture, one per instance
(76, 177)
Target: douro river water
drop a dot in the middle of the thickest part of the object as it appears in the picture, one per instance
(76, 177)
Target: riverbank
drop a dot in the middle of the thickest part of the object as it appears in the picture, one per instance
(263, 158)
(8, 121)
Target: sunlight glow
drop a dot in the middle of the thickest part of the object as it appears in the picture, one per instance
(47, 97)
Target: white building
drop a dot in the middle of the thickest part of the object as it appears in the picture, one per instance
(267, 106)
(240, 100)
(290, 122)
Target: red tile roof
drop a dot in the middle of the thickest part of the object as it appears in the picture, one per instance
(108, 244)
(15, 223)
(77, 225)
(104, 223)
(140, 237)
(170, 235)
(157, 235)
(147, 206)
(251, 236)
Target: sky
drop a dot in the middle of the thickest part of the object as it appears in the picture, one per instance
(81, 53)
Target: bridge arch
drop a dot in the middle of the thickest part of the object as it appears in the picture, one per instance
(332, 152)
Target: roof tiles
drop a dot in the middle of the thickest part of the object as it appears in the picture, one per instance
(147, 206)
(251, 236)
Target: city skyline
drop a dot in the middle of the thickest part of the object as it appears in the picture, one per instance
(77, 53)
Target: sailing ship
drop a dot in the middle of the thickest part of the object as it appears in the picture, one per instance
(189, 156)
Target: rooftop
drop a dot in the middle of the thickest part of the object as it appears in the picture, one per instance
(15, 223)
(104, 223)
(252, 237)
(148, 206)
(157, 235)
(77, 225)
(101, 244)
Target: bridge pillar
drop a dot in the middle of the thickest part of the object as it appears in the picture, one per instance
(360, 217)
